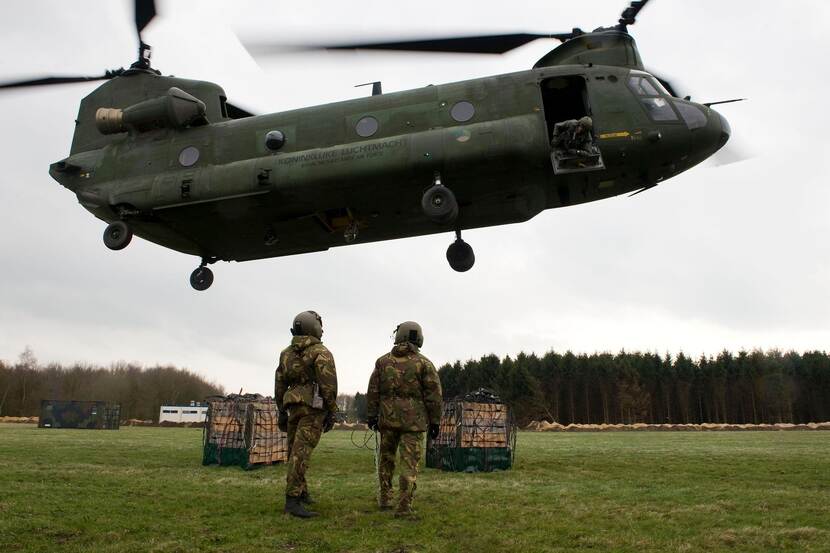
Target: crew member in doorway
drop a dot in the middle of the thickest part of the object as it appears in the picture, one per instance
(573, 137)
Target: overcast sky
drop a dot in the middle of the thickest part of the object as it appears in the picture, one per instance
(735, 256)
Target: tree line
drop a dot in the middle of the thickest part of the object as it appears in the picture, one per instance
(605, 388)
(747, 387)
(140, 391)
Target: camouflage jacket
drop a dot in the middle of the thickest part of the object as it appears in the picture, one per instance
(303, 364)
(404, 390)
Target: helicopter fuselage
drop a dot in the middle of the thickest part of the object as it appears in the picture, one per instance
(217, 190)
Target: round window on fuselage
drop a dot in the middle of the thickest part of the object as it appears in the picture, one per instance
(366, 126)
(462, 111)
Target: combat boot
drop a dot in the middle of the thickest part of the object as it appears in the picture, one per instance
(404, 509)
(407, 514)
(385, 500)
(294, 507)
(305, 497)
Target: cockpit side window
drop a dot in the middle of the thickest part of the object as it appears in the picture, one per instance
(652, 97)
(659, 109)
(641, 86)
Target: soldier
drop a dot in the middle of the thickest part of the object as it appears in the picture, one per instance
(305, 392)
(573, 136)
(403, 400)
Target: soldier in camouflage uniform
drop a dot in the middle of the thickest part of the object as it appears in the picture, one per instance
(403, 400)
(573, 137)
(305, 392)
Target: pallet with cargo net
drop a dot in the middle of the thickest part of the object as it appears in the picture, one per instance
(242, 430)
(476, 433)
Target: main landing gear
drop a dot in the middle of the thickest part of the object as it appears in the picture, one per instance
(460, 254)
(439, 203)
(202, 277)
(440, 206)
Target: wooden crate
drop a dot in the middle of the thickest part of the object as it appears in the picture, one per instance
(471, 424)
(265, 443)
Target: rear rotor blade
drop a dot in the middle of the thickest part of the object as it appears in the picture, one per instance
(484, 44)
(56, 80)
(236, 112)
(145, 11)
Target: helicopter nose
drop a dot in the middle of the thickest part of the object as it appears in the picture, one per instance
(725, 130)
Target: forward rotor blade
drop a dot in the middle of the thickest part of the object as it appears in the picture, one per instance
(55, 80)
(482, 44)
(667, 85)
(629, 14)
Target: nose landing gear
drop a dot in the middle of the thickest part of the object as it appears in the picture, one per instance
(202, 277)
(117, 235)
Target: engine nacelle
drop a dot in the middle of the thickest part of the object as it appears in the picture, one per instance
(177, 109)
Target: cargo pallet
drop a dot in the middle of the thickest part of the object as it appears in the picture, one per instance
(242, 430)
(476, 434)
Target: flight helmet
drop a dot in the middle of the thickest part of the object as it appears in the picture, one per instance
(409, 331)
(307, 323)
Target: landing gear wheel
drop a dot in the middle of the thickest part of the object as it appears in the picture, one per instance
(117, 235)
(461, 256)
(201, 279)
(439, 204)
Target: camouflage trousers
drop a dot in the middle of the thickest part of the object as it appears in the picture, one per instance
(304, 430)
(410, 447)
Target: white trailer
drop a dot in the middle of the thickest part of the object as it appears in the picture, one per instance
(188, 412)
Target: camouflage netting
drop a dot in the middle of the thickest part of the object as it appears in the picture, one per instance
(90, 415)
(242, 430)
(477, 434)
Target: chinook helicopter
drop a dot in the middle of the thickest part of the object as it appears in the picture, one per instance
(173, 161)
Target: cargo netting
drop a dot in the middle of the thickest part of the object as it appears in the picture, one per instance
(477, 433)
(242, 430)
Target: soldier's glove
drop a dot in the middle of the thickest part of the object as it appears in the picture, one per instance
(434, 429)
(282, 421)
(328, 422)
(372, 422)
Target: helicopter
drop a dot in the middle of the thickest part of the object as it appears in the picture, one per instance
(172, 161)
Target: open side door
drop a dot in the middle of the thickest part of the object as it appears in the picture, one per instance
(569, 125)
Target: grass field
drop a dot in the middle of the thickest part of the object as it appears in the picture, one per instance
(144, 489)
